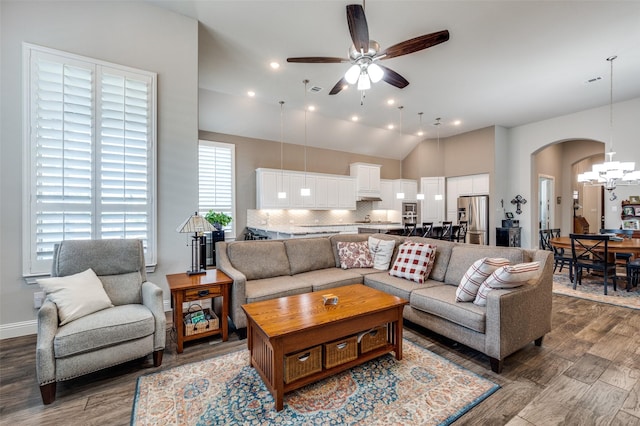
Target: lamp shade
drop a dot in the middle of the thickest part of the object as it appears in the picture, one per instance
(375, 73)
(352, 74)
(196, 224)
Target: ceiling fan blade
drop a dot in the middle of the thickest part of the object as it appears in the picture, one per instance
(393, 78)
(415, 44)
(317, 60)
(358, 27)
(339, 86)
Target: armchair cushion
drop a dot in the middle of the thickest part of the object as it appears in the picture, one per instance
(76, 295)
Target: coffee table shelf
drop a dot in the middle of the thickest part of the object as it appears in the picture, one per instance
(279, 327)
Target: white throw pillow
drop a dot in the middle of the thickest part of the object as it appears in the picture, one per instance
(476, 275)
(413, 261)
(507, 277)
(76, 295)
(381, 252)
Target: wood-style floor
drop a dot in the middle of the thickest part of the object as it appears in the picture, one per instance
(587, 372)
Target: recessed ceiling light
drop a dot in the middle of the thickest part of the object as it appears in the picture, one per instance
(274, 65)
(311, 108)
(390, 126)
(251, 93)
(391, 102)
(420, 133)
(354, 118)
(457, 122)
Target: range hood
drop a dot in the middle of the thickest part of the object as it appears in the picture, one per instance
(368, 198)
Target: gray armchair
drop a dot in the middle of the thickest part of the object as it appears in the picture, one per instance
(133, 328)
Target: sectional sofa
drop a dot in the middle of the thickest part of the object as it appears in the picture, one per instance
(512, 318)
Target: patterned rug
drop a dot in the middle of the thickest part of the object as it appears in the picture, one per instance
(422, 389)
(592, 288)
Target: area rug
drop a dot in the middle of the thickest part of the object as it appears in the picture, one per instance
(593, 289)
(422, 389)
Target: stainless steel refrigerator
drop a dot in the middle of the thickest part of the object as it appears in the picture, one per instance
(475, 210)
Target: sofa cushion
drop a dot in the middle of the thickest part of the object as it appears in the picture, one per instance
(440, 300)
(443, 255)
(272, 288)
(259, 259)
(329, 278)
(507, 277)
(414, 261)
(102, 329)
(393, 285)
(76, 295)
(123, 289)
(354, 254)
(361, 237)
(463, 256)
(309, 254)
(476, 275)
(381, 252)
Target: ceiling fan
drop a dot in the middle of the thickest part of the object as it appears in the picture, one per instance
(364, 54)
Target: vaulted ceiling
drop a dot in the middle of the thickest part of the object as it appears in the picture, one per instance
(507, 63)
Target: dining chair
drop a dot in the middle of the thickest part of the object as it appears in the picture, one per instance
(560, 258)
(462, 231)
(633, 272)
(591, 252)
(622, 259)
(427, 229)
(447, 230)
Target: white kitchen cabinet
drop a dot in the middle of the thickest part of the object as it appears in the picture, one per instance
(464, 185)
(367, 178)
(432, 210)
(327, 191)
(387, 196)
(480, 184)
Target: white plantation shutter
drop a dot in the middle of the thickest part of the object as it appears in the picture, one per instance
(216, 162)
(89, 162)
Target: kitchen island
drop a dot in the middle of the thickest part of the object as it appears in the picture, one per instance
(306, 231)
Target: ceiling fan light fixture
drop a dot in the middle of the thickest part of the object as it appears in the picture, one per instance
(375, 73)
(364, 83)
(352, 74)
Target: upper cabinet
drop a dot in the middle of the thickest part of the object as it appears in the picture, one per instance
(408, 187)
(327, 191)
(464, 185)
(433, 210)
(367, 179)
(387, 196)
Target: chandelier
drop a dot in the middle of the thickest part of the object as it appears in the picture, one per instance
(611, 173)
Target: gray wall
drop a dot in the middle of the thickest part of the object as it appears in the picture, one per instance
(127, 33)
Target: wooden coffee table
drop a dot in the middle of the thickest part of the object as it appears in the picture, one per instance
(283, 326)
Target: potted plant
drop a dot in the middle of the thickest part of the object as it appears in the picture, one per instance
(218, 219)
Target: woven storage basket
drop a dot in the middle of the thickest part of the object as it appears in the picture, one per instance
(340, 351)
(302, 364)
(202, 326)
(373, 339)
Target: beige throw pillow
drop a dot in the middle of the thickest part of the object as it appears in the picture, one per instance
(507, 277)
(476, 275)
(76, 295)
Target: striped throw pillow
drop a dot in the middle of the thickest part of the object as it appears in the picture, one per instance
(476, 275)
(507, 277)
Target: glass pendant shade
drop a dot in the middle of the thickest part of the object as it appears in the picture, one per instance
(400, 195)
(282, 195)
(363, 82)
(352, 74)
(420, 196)
(375, 73)
(305, 192)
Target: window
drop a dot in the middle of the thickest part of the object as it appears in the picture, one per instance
(217, 179)
(89, 154)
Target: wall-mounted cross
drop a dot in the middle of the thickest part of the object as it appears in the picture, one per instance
(518, 201)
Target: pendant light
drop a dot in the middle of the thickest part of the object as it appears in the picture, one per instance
(305, 191)
(438, 197)
(611, 173)
(400, 194)
(420, 195)
(281, 193)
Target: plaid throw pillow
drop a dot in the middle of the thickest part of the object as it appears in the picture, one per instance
(507, 277)
(414, 261)
(354, 255)
(476, 275)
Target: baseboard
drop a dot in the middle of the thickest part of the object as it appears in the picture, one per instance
(25, 328)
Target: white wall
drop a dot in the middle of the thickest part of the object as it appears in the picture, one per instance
(128, 33)
(590, 124)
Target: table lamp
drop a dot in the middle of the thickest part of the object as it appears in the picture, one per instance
(198, 225)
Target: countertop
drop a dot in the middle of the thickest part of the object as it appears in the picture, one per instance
(316, 229)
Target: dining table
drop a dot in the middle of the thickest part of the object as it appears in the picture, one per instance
(626, 245)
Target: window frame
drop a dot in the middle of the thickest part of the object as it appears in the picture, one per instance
(231, 230)
(32, 268)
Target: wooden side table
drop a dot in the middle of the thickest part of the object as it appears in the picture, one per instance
(189, 288)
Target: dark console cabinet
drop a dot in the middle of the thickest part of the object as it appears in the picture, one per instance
(212, 239)
(508, 237)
